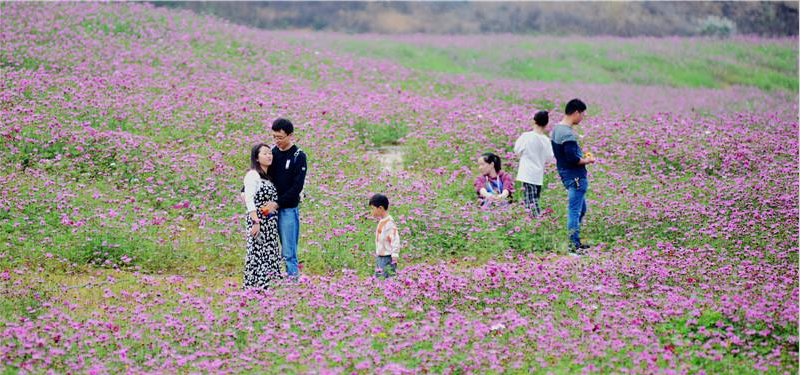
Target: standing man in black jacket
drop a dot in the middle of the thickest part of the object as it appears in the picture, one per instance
(288, 173)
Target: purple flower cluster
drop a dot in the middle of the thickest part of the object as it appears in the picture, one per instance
(648, 312)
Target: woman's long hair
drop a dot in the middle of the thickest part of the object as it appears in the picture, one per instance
(493, 159)
(254, 160)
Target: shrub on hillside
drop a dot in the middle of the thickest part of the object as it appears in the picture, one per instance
(717, 26)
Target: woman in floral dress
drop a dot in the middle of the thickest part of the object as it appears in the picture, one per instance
(263, 259)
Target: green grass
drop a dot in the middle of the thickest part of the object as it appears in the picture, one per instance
(415, 57)
(27, 63)
(686, 329)
(221, 47)
(515, 98)
(701, 63)
(380, 134)
(27, 304)
(427, 84)
(118, 26)
(103, 242)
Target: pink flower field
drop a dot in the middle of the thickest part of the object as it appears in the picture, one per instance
(124, 137)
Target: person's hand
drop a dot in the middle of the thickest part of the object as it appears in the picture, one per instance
(254, 217)
(394, 261)
(272, 206)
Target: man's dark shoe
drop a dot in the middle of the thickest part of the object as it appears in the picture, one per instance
(578, 251)
(575, 251)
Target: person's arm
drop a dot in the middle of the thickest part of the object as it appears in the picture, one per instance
(586, 160)
(520, 145)
(394, 243)
(299, 178)
(508, 185)
(251, 183)
(480, 189)
(272, 205)
(572, 153)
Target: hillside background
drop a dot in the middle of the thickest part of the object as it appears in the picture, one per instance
(579, 18)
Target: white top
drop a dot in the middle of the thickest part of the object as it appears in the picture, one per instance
(252, 183)
(534, 150)
(387, 241)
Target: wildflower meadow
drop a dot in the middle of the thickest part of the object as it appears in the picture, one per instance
(125, 132)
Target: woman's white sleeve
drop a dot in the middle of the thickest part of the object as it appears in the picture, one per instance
(519, 144)
(252, 180)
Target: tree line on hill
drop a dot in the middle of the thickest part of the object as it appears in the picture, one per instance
(664, 18)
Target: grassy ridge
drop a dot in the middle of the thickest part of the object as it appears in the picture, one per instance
(698, 63)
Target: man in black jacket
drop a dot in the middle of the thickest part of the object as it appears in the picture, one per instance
(288, 173)
(571, 163)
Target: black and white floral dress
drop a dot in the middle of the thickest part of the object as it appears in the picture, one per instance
(263, 259)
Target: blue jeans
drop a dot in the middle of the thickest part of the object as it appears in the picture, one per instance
(288, 231)
(384, 266)
(576, 207)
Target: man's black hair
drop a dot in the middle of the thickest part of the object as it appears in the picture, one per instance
(575, 105)
(283, 124)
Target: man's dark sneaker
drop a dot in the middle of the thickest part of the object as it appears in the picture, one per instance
(578, 251)
(575, 251)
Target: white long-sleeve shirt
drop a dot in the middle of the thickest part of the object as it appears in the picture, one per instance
(252, 183)
(534, 150)
(387, 241)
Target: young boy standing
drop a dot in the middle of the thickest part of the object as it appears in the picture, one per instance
(535, 150)
(387, 241)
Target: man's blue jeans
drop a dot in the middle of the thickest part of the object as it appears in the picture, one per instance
(576, 207)
(288, 231)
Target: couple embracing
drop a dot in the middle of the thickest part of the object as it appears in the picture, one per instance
(272, 190)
